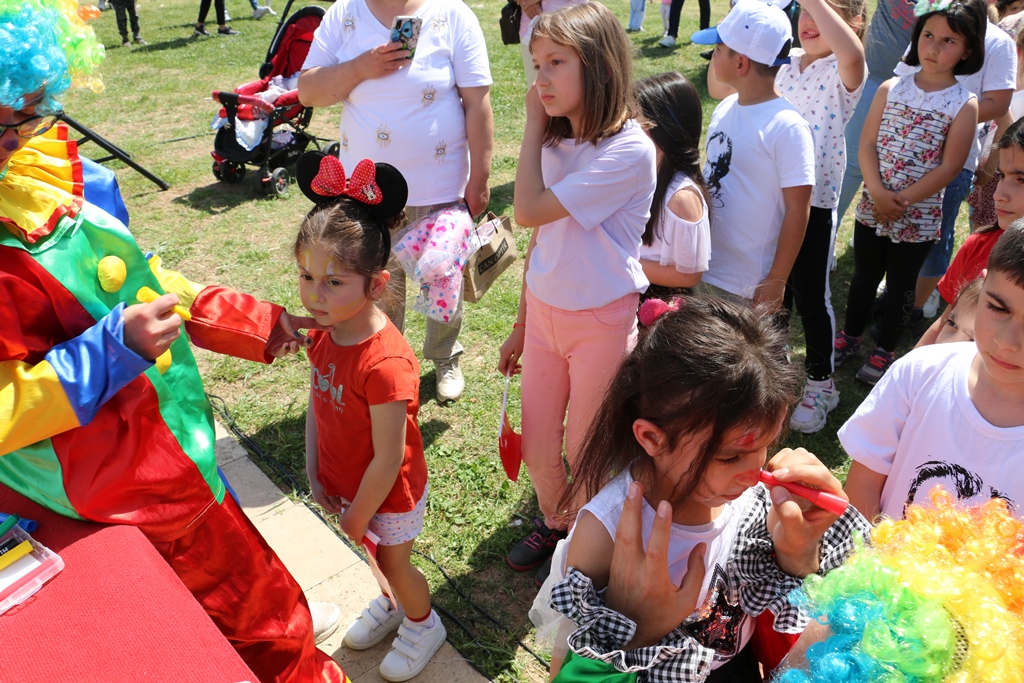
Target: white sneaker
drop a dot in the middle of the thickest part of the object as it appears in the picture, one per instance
(326, 617)
(227, 17)
(667, 41)
(412, 649)
(258, 12)
(374, 624)
(819, 399)
(450, 383)
(931, 307)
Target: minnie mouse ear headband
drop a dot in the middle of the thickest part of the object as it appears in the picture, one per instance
(381, 188)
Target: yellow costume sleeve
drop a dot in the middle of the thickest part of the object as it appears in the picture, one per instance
(33, 405)
(173, 281)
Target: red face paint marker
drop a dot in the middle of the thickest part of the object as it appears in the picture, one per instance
(823, 499)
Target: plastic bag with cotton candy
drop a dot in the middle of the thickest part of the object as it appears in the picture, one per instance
(433, 252)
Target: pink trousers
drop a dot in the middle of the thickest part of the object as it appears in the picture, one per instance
(568, 359)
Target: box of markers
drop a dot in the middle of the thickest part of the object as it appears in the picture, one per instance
(26, 567)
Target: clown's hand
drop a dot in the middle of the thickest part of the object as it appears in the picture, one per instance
(285, 338)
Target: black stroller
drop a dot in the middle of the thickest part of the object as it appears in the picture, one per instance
(271, 153)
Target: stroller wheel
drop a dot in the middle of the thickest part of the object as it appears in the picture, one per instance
(279, 181)
(216, 171)
(332, 148)
(232, 172)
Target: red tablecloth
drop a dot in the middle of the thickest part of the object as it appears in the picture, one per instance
(116, 613)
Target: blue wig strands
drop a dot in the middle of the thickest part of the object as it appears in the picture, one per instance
(46, 48)
(938, 598)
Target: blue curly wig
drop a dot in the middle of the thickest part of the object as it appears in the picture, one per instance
(45, 46)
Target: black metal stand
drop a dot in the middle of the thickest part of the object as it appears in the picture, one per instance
(115, 152)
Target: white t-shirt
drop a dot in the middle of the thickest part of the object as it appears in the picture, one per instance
(413, 117)
(719, 535)
(998, 72)
(590, 258)
(821, 98)
(677, 242)
(919, 427)
(1017, 103)
(753, 152)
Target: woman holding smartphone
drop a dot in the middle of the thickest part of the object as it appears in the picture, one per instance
(428, 114)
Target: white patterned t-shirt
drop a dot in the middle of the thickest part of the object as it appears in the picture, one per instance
(819, 95)
(413, 117)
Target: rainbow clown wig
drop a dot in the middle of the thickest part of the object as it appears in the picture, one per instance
(938, 597)
(46, 47)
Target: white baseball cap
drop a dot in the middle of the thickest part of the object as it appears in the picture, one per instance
(753, 28)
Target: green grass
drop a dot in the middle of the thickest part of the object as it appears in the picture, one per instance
(157, 107)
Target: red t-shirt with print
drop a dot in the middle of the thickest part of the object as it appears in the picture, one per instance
(346, 381)
(970, 260)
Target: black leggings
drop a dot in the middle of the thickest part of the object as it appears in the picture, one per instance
(899, 262)
(677, 7)
(204, 9)
(808, 289)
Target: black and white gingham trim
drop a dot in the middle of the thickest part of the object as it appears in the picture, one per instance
(762, 584)
(603, 633)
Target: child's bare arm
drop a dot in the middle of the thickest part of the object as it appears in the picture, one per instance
(590, 550)
(888, 204)
(959, 141)
(864, 487)
(534, 203)
(797, 201)
(388, 430)
(841, 39)
(329, 503)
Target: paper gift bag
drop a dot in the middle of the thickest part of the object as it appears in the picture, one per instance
(491, 260)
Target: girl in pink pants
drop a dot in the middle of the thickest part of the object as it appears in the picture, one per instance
(584, 183)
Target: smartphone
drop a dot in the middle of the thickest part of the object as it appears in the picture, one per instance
(406, 30)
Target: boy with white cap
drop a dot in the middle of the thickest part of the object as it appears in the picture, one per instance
(760, 159)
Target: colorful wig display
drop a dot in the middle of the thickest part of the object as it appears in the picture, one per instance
(46, 47)
(939, 596)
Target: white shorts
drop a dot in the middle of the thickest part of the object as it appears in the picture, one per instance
(396, 528)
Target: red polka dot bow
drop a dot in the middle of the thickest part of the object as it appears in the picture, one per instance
(362, 186)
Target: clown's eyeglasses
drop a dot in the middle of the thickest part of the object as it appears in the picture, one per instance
(29, 128)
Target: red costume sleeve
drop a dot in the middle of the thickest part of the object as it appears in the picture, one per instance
(232, 323)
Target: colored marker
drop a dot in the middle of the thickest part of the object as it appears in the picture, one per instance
(15, 554)
(823, 499)
(10, 544)
(28, 525)
(8, 523)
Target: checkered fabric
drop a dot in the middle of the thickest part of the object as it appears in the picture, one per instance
(762, 585)
(603, 632)
(755, 581)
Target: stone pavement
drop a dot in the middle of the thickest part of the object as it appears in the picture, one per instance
(325, 567)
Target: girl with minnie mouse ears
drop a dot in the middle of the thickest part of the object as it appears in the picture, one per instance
(364, 451)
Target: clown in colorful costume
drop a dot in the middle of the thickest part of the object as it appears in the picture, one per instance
(91, 430)
(89, 427)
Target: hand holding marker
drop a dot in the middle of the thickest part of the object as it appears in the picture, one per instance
(823, 499)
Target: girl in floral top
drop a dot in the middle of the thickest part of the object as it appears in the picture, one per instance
(916, 138)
